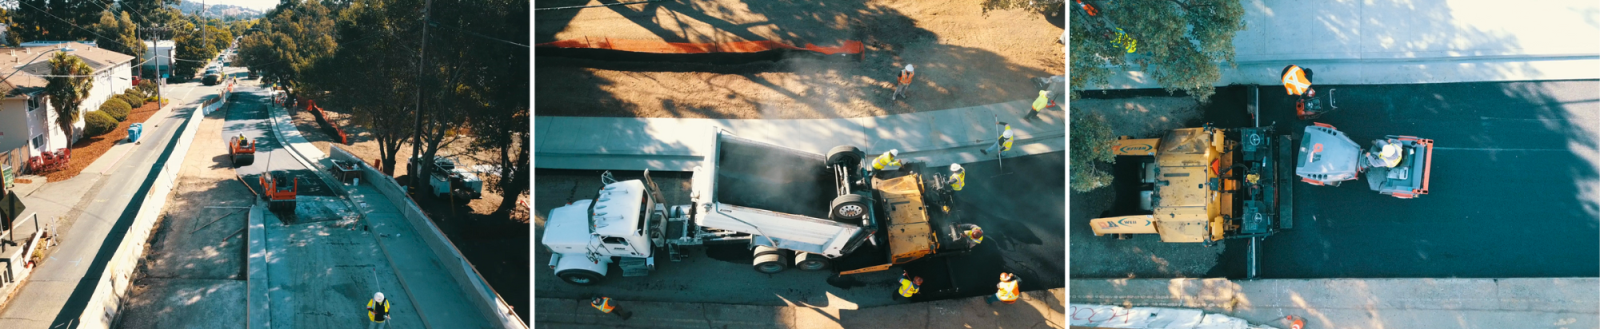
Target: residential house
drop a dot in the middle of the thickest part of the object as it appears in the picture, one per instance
(27, 102)
(162, 64)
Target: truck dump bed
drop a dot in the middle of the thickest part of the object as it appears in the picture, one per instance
(768, 177)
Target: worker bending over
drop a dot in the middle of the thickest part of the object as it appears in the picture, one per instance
(604, 305)
(1297, 81)
(1007, 290)
(887, 160)
(971, 233)
(1039, 104)
(958, 177)
(1003, 143)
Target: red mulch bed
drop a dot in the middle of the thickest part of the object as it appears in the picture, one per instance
(88, 149)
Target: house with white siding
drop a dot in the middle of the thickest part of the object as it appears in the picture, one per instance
(27, 121)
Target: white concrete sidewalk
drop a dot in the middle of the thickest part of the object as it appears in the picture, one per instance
(937, 137)
(1366, 303)
(1417, 41)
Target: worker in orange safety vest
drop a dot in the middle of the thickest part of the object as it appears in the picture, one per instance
(904, 82)
(1007, 290)
(604, 305)
(1297, 81)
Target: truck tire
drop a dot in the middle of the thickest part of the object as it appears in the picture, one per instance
(810, 262)
(848, 207)
(580, 277)
(847, 155)
(769, 260)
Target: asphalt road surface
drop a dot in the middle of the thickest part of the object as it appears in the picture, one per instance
(1513, 192)
(1019, 205)
(247, 116)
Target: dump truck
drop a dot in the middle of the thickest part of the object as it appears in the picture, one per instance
(242, 151)
(788, 207)
(448, 179)
(280, 197)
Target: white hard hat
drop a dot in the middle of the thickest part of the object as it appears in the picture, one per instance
(909, 69)
(955, 167)
(1007, 133)
(1389, 150)
(894, 152)
(378, 297)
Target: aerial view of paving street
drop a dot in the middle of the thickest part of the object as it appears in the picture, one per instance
(172, 164)
(799, 164)
(1348, 164)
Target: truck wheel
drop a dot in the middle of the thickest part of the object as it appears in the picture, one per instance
(810, 261)
(849, 207)
(845, 154)
(580, 277)
(769, 260)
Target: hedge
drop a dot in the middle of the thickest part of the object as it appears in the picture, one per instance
(98, 123)
(116, 109)
(133, 100)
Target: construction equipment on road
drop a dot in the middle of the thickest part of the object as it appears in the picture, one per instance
(788, 207)
(1203, 185)
(242, 151)
(448, 179)
(278, 198)
(1328, 157)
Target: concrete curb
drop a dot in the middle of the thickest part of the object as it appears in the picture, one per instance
(1390, 303)
(257, 296)
(936, 138)
(1036, 309)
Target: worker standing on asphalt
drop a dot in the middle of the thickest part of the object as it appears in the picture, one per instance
(1004, 142)
(958, 177)
(604, 305)
(904, 83)
(908, 287)
(1007, 290)
(377, 311)
(1297, 81)
(972, 233)
(886, 160)
(1039, 104)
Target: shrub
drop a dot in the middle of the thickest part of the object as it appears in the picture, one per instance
(148, 87)
(133, 99)
(116, 109)
(98, 123)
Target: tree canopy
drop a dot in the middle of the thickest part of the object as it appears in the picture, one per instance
(67, 88)
(1179, 43)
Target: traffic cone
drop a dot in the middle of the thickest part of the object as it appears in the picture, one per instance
(1296, 322)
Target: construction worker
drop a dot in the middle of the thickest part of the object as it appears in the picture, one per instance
(377, 311)
(1297, 81)
(1039, 104)
(1003, 143)
(972, 233)
(908, 287)
(604, 305)
(1388, 155)
(904, 82)
(1007, 290)
(886, 160)
(958, 177)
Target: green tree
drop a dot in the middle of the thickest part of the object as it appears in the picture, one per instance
(192, 53)
(145, 10)
(499, 120)
(119, 34)
(1090, 147)
(1179, 43)
(293, 37)
(373, 73)
(67, 88)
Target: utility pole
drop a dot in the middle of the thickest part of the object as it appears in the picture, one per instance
(416, 141)
(155, 48)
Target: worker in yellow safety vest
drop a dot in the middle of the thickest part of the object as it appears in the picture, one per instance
(1297, 81)
(886, 160)
(377, 311)
(604, 305)
(908, 286)
(972, 233)
(1007, 290)
(958, 177)
(1387, 157)
(1039, 104)
(1004, 142)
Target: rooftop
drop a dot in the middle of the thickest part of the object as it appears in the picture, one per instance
(30, 75)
